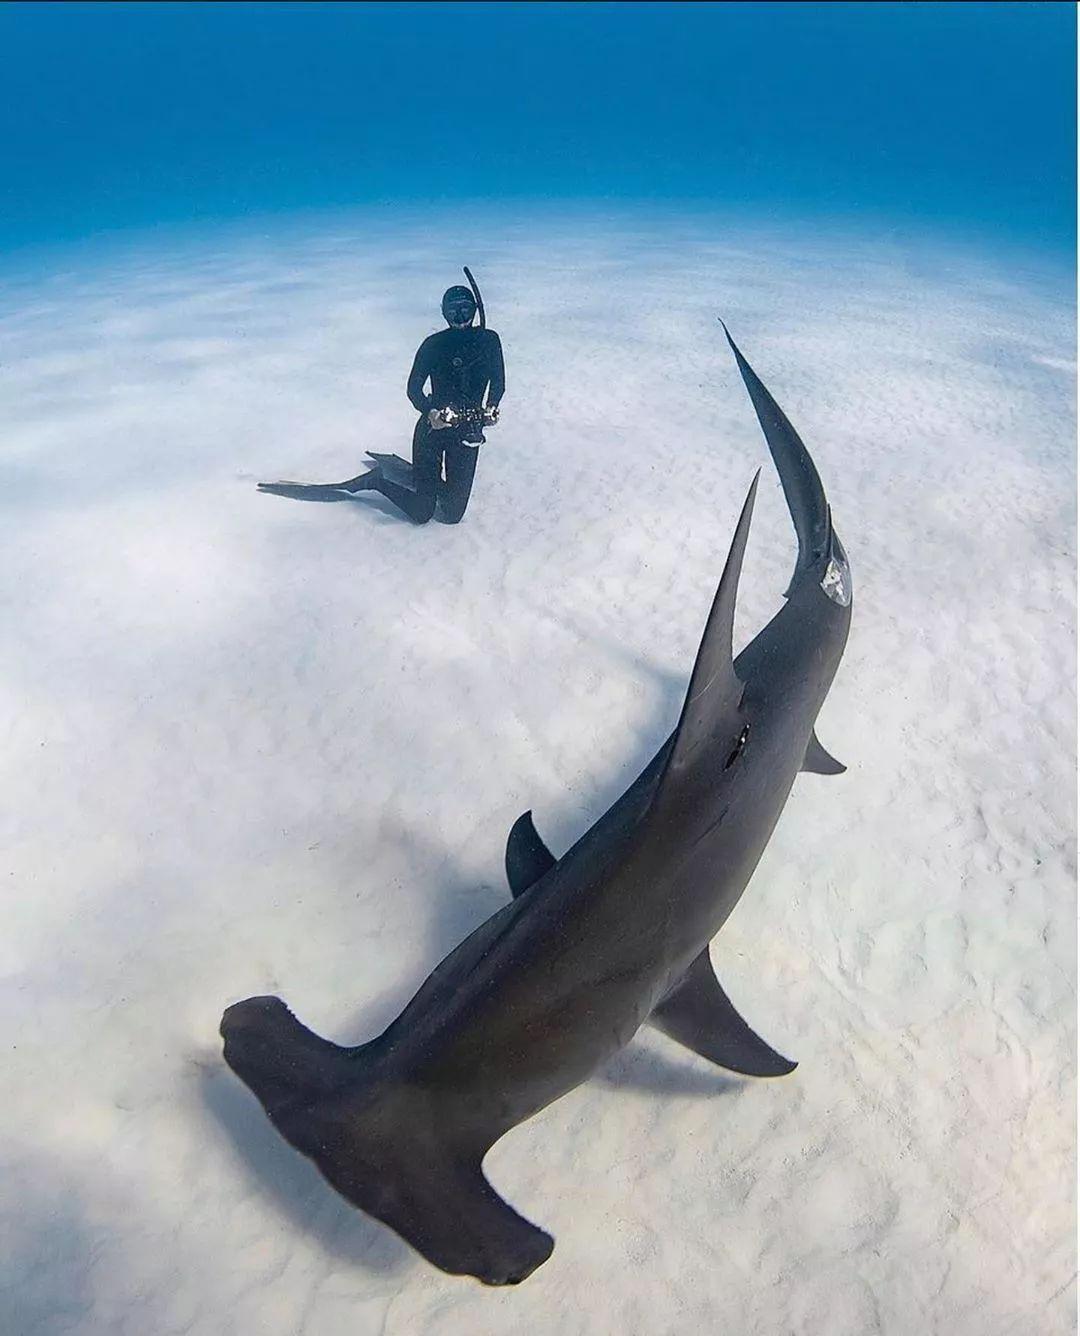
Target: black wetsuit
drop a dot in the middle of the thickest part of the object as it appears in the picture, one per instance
(463, 365)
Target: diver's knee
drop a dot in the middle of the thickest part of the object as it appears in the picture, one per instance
(451, 509)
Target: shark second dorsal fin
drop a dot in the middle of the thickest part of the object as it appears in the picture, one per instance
(711, 714)
(527, 856)
(698, 1013)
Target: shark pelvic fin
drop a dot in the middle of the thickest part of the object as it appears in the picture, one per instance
(818, 761)
(711, 714)
(527, 856)
(699, 1015)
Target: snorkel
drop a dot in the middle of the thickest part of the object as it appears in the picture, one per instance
(476, 296)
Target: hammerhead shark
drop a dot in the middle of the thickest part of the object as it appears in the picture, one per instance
(614, 933)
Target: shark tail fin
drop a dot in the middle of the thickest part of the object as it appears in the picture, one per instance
(799, 478)
(711, 714)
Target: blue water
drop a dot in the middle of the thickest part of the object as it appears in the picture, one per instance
(952, 115)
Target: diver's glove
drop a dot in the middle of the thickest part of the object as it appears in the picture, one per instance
(441, 417)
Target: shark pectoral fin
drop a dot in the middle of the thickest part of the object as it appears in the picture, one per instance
(699, 1015)
(818, 761)
(527, 856)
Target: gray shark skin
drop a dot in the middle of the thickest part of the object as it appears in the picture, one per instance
(613, 934)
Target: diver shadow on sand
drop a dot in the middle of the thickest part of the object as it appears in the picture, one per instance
(293, 1184)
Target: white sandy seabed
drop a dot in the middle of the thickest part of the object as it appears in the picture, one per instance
(258, 746)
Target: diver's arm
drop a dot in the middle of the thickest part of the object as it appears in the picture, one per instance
(497, 371)
(421, 368)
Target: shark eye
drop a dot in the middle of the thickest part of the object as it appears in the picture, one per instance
(737, 752)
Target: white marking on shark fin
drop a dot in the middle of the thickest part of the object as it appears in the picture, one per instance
(698, 1013)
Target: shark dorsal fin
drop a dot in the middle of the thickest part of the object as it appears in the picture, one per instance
(527, 856)
(711, 713)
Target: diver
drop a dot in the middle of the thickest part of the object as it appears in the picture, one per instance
(464, 365)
